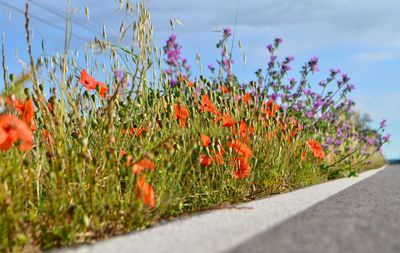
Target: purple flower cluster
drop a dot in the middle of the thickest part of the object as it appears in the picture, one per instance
(323, 109)
(226, 61)
(174, 62)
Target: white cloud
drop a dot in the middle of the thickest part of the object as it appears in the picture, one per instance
(371, 57)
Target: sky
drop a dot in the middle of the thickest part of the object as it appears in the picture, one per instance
(360, 37)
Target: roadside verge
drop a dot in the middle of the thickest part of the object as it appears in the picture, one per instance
(221, 229)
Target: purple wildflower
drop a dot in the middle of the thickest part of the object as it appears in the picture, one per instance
(334, 72)
(285, 68)
(313, 64)
(274, 96)
(277, 42)
(227, 32)
(211, 67)
(338, 142)
(289, 59)
(345, 78)
(173, 83)
(382, 123)
(351, 87)
(322, 84)
(370, 141)
(270, 48)
(386, 138)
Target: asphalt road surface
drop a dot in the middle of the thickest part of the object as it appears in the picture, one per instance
(362, 218)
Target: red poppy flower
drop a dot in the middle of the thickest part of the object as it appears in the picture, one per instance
(245, 131)
(12, 130)
(26, 110)
(270, 108)
(207, 106)
(103, 89)
(205, 140)
(242, 168)
(240, 148)
(142, 165)
(246, 98)
(136, 131)
(145, 191)
(91, 84)
(316, 148)
(87, 81)
(227, 120)
(181, 114)
(205, 160)
(224, 89)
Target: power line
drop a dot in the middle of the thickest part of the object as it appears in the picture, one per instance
(41, 20)
(60, 14)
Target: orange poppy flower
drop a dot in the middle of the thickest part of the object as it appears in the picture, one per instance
(142, 165)
(181, 114)
(91, 84)
(12, 130)
(145, 191)
(316, 148)
(135, 131)
(205, 140)
(15, 103)
(103, 89)
(224, 89)
(205, 103)
(26, 110)
(270, 108)
(205, 160)
(242, 168)
(227, 120)
(245, 131)
(87, 80)
(207, 106)
(246, 98)
(29, 112)
(240, 148)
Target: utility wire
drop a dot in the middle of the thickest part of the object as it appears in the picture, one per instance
(234, 29)
(61, 28)
(54, 11)
(60, 14)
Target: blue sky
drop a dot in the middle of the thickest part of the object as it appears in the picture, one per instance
(360, 37)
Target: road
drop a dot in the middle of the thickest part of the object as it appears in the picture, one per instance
(363, 218)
